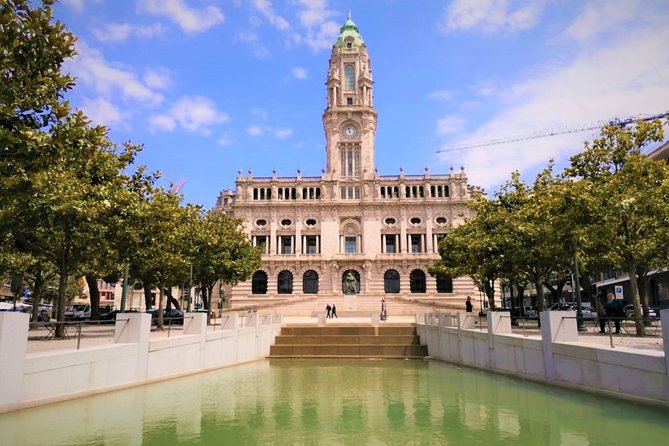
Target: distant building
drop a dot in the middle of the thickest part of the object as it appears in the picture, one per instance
(350, 231)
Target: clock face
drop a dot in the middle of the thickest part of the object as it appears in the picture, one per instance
(350, 131)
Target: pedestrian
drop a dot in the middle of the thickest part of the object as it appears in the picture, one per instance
(468, 305)
(601, 313)
(328, 308)
(614, 310)
(384, 314)
(334, 311)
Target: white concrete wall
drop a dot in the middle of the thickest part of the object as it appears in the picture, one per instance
(134, 359)
(556, 356)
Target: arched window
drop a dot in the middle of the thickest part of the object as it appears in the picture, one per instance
(310, 282)
(285, 282)
(349, 77)
(444, 284)
(417, 281)
(391, 281)
(259, 283)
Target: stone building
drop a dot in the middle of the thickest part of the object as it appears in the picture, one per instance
(350, 231)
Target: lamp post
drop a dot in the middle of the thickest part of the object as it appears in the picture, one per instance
(577, 285)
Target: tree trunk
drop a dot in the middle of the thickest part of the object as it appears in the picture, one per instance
(62, 297)
(171, 300)
(643, 298)
(489, 288)
(94, 293)
(147, 295)
(540, 295)
(38, 286)
(210, 291)
(634, 289)
(160, 319)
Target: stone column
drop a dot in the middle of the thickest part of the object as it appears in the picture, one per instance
(13, 347)
(135, 328)
(556, 326)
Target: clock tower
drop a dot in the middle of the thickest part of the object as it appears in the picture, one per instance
(349, 119)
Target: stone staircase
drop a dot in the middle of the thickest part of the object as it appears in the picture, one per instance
(349, 341)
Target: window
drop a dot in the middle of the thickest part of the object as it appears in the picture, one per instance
(286, 222)
(349, 101)
(417, 281)
(310, 222)
(311, 242)
(350, 192)
(416, 245)
(350, 244)
(444, 284)
(350, 161)
(261, 240)
(261, 222)
(286, 244)
(441, 221)
(285, 282)
(415, 221)
(310, 282)
(259, 283)
(349, 78)
(391, 244)
(390, 221)
(391, 281)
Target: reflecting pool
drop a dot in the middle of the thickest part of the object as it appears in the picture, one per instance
(348, 402)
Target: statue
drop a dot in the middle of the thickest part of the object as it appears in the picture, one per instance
(350, 285)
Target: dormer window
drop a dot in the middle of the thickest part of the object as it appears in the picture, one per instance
(349, 45)
(349, 101)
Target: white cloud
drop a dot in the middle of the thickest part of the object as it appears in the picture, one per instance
(266, 9)
(189, 19)
(91, 68)
(253, 40)
(315, 16)
(255, 130)
(599, 16)
(79, 5)
(283, 133)
(323, 37)
(313, 12)
(117, 32)
(442, 95)
(492, 15)
(224, 140)
(625, 78)
(300, 73)
(101, 111)
(450, 124)
(192, 113)
(158, 78)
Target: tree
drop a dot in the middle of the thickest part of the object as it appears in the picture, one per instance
(626, 193)
(221, 252)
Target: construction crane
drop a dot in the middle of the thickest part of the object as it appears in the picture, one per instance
(177, 187)
(622, 122)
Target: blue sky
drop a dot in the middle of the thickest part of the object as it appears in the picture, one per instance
(210, 87)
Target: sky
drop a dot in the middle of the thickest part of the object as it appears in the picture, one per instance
(212, 87)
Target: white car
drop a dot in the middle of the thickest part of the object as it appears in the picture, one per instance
(629, 312)
(78, 312)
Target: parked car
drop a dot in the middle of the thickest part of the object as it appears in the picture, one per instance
(108, 315)
(629, 312)
(78, 312)
(171, 316)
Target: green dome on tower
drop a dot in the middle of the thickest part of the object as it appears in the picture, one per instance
(349, 30)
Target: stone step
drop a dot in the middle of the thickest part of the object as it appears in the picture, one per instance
(350, 339)
(349, 330)
(348, 350)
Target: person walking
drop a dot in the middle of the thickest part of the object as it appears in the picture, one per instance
(328, 308)
(468, 305)
(614, 310)
(334, 311)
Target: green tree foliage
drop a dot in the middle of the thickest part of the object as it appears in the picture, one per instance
(221, 251)
(625, 194)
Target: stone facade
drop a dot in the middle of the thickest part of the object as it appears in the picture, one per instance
(316, 229)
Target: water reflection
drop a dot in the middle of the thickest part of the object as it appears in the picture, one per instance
(339, 402)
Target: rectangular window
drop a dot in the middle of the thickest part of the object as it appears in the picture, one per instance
(416, 243)
(261, 240)
(350, 244)
(312, 244)
(350, 161)
(286, 244)
(391, 244)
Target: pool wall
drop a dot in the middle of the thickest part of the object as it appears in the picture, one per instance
(34, 379)
(556, 356)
